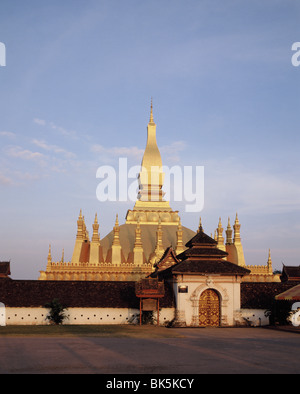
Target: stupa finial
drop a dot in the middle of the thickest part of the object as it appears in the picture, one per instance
(151, 112)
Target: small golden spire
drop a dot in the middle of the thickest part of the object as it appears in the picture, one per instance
(179, 242)
(138, 253)
(179, 224)
(159, 241)
(84, 230)
(96, 237)
(220, 233)
(80, 226)
(49, 255)
(138, 238)
(236, 227)
(200, 228)
(229, 233)
(116, 240)
(269, 263)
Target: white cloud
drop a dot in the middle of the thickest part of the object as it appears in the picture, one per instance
(4, 180)
(62, 130)
(169, 152)
(53, 148)
(8, 134)
(172, 151)
(40, 122)
(53, 126)
(119, 151)
(229, 184)
(18, 152)
(270, 193)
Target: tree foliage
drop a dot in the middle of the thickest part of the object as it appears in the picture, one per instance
(56, 313)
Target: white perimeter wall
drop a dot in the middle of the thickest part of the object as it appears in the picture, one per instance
(255, 317)
(37, 316)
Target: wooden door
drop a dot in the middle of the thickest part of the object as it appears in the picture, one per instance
(209, 308)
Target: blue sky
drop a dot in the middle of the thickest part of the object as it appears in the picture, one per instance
(75, 95)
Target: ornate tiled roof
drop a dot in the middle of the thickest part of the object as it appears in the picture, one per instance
(209, 267)
(4, 268)
(291, 294)
(290, 272)
(203, 257)
(201, 239)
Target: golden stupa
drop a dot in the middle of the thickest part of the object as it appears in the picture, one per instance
(130, 250)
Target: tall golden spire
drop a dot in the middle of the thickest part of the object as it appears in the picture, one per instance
(151, 176)
(150, 199)
(151, 113)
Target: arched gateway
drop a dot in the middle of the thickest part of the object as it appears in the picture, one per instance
(209, 308)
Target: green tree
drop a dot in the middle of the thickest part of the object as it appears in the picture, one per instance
(56, 314)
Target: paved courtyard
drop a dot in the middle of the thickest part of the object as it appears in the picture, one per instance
(194, 351)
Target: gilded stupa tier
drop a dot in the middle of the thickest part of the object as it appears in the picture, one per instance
(128, 252)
